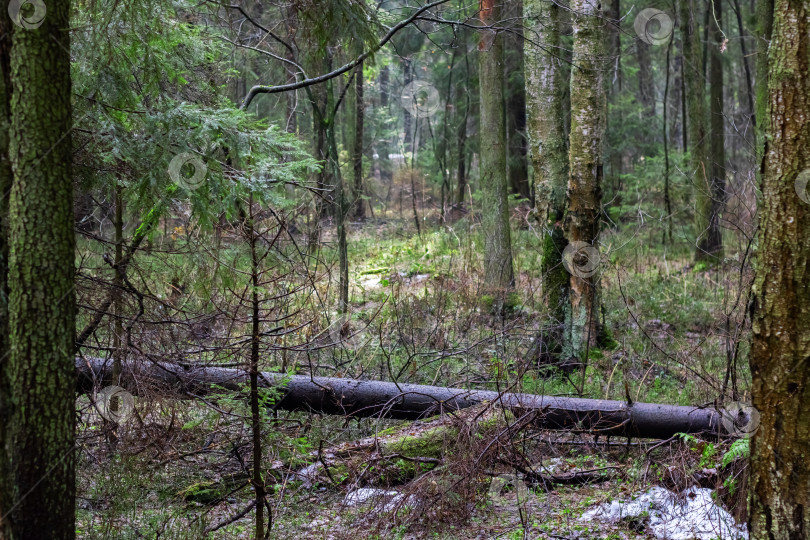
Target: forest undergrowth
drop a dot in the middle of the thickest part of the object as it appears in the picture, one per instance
(177, 469)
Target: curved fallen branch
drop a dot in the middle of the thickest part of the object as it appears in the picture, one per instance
(350, 397)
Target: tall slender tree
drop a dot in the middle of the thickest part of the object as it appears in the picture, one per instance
(706, 230)
(717, 144)
(779, 492)
(359, 135)
(515, 90)
(41, 277)
(588, 114)
(497, 237)
(548, 148)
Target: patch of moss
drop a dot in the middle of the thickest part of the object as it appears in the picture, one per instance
(202, 492)
(487, 302)
(427, 443)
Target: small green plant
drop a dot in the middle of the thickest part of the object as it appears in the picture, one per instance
(740, 448)
(707, 450)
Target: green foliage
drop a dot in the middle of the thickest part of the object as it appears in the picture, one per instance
(741, 448)
(149, 92)
(707, 450)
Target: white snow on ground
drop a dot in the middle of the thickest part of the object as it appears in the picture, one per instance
(692, 515)
(373, 496)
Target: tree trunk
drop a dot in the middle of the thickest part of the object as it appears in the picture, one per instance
(499, 277)
(461, 141)
(779, 482)
(407, 142)
(549, 154)
(717, 143)
(588, 108)
(41, 277)
(646, 87)
(340, 218)
(386, 170)
(255, 414)
(6, 177)
(615, 16)
(351, 397)
(764, 15)
(359, 110)
(749, 84)
(699, 166)
(516, 164)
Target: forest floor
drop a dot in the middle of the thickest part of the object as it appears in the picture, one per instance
(418, 315)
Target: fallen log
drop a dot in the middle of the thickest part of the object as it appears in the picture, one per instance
(350, 397)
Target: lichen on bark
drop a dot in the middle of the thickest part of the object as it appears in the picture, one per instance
(779, 484)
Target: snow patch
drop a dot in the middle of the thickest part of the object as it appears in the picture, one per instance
(374, 496)
(692, 515)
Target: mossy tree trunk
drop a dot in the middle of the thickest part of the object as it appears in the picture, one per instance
(41, 278)
(499, 277)
(779, 492)
(764, 16)
(707, 234)
(588, 117)
(545, 89)
(6, 176)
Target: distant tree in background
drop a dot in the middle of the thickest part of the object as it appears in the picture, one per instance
(708, 239)
(499, 276)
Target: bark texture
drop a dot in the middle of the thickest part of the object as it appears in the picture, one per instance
(588, 117)
(545, 90)
(6, 176)
(548, 148)
(779, 493)
(351, 397)
(499, 275)
(41, 276)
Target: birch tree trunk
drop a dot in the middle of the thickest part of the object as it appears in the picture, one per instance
(779, 484)
(588, 113)
(499, 277)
